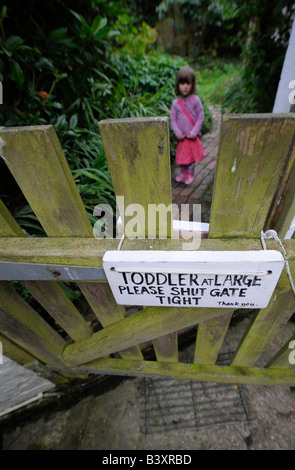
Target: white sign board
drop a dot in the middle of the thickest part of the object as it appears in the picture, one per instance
(221, 279)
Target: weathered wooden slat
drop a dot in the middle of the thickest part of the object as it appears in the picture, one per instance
(55, 377)
(62, 214)
(281, 359)
(105, 307)
(21, 324)
(8, 226)
(210, 336)
(89, 252)
(145, 325)
(199, 372)
(55, 301)
(49, 295)
(252, 154)
(69, 251)
(166, 348)
(149, 322)
(103, 303)
(48, 184)
(266, 324)
(284, 206)
(134, 149)
(12, 350)
(50, 272)
(138, 156)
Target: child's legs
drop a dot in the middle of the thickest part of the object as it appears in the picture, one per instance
(190, 173)
(183, 173)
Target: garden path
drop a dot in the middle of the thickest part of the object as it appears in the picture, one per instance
(201, 190)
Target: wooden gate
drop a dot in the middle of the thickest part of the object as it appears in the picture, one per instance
(253, 190)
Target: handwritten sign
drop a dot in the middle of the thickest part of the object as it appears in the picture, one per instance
(221, 279)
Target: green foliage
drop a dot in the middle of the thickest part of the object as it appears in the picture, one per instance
(26, 218)
(268, 24)
(197, 19)
(141, 10)
(85, 61)
(53, 74)
(215, 76)
(256, 30)
(50, 72)
(134, 40)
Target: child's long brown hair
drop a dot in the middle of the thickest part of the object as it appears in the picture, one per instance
(186, 75)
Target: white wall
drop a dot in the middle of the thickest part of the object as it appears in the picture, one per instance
(284, 93)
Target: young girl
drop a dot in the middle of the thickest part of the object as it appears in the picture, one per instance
(187, 117)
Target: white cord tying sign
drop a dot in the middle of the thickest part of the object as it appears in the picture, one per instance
(221, 279)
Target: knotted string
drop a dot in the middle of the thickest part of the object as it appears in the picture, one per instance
(273, 234)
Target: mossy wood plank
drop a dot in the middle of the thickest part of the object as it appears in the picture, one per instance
(55, 301)
(142, 326)
(166, 348)
(15, 352)
(138, 155)
(21, 324)
(284, 207)
(107, 310)
(210, 336)
(136, 148)
(55, 377)
(100, 298)
(66, 251)
(282, 359)
(252, 155)
(266, 324)
(50, 295)
(36, 153)
(89, 252)
(8, 226)
(199, 372)
(103, 303)
(36, 160)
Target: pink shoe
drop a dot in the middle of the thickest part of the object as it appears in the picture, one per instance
(190, 176)
(182, 175)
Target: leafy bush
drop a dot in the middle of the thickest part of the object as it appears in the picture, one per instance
(82, 63)
(215, 76)
(196, 20)
(269, 24)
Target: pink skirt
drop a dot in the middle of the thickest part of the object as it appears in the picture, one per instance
(189, 151)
